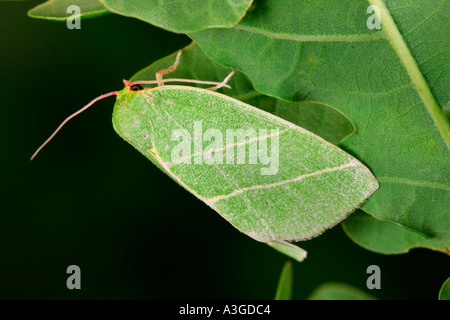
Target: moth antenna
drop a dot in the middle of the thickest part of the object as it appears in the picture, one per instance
(220, 84)
(72, 116)
(127, 83)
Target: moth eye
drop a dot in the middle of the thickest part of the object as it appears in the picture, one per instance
(136, 87)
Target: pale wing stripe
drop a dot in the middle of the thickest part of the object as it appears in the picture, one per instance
(232, 145)
(352, 163)
(155, 154)
(313, 38)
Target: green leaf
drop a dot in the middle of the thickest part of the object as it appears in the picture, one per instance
(284, 289)
(321, 119)
(182, 16)
(391, 83)
(444, 293)
(57, 9)
(384, 236)
(339, 291)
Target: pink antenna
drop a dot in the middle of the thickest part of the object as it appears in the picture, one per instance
(72, 116)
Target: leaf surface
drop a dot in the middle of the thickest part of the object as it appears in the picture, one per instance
(444, 293)
(182, 16)
(57, 9)
(339, 291)
(384, 236)
(284, 289)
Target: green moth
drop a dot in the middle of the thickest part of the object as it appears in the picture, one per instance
(271, 179)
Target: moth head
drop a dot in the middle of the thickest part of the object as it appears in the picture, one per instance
(131, 86)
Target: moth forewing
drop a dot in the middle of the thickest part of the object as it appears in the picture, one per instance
(268, 177)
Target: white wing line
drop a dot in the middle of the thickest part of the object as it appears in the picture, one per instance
(233, 145)
(352, 163)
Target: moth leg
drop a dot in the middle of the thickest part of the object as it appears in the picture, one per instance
(224, 82)
(170, 69)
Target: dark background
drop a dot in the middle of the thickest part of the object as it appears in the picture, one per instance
(91, 200)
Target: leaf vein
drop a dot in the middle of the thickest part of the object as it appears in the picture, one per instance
(419, 183)
(313, 38)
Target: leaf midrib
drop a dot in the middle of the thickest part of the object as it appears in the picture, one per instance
(419, 183)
